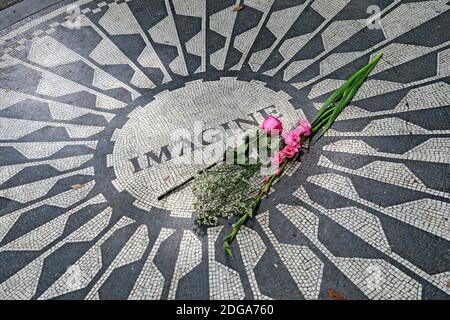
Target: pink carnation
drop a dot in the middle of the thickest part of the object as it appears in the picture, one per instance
(289, 151)
(304, 128)
(291, 138)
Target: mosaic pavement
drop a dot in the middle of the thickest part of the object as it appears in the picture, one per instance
(84, 99)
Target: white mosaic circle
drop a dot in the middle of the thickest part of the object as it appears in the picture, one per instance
(148, 158)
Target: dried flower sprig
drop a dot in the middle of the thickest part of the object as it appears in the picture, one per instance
(223, 190)
(229, 186)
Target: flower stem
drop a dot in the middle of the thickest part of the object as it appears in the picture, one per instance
(185, 182)
(255, 205)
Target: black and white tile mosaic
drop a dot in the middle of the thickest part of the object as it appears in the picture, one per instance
(90, 92)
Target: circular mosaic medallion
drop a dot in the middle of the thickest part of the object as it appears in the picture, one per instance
(181, 131)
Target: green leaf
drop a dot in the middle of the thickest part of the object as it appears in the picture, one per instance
(227, 249)
(324, 115)
(345, 94)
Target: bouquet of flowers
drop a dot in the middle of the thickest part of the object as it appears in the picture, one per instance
(235, 186)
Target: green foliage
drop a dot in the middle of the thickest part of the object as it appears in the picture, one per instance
(336, 103)
(224, 190)
(230, 188)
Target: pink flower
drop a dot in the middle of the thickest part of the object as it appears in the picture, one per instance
(272, 125)
(289, 151)
(304, 128)
(291, 138)
(277, 159)
(278, 172)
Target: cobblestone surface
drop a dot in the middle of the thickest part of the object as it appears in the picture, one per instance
(91, 91)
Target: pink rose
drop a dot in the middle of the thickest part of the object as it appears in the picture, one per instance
(277, 159)
(278, 172)
(272, 125)
(304, 128)
(291, 138)
(289, 151)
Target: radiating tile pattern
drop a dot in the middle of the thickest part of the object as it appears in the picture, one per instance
(150, 283)
(132, 251)
(304, 267)
(278, 24)
(88, 105)
(390, 283)
(252, 249)
(81, 273)
(224, 282)
(189, 256)
(23, 284)
(222, 22)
